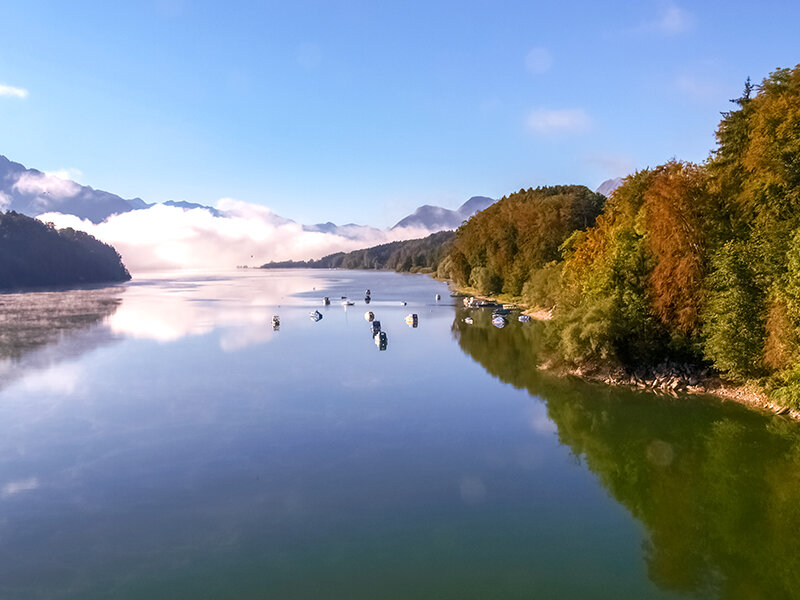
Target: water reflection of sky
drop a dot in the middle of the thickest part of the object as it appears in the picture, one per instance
(179, 455)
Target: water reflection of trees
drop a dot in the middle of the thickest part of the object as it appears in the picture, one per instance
(716, 486)
(38, 329)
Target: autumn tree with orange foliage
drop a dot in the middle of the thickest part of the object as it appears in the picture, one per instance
(676, 207)
(686, 262)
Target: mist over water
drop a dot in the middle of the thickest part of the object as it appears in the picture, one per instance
(168, 237)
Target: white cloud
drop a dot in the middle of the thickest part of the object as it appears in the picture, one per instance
(53, 185)
(10, 91)
(5, 201)
(68, 174)
(674, 20)
(671, 20)
(553, 121)
(167, 237)
(12, 488)
(538, 60)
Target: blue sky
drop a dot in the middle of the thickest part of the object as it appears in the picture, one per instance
(361, 111)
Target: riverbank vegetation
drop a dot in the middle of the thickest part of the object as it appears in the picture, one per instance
(684, 263)
(35, 254)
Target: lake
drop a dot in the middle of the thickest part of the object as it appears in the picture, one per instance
(159, 439)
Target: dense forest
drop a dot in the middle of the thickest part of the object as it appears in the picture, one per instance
(415, 256)
(511, 247)
(35, 254)
(686, 262)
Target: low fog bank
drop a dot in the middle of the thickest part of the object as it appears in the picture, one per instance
(169, 237)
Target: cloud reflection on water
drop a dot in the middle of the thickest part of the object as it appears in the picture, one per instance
(240, 305)
(12, 488)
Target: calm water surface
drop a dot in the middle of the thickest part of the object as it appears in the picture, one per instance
(160, 440)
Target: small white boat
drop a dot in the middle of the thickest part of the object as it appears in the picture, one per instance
(499, 321)
(412, 320)
(347, 303)
(315, 316)
(276, 321)
(468, 320)
(524, 318)
(369, 316)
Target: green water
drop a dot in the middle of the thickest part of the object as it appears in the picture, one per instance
(160, 440)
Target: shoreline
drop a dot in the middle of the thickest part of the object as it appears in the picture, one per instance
(661, 384)
(670, 380)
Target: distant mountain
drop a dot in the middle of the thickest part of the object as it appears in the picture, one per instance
(33, 193)
(436, 218)
(187, 206)
(608, 186)
(351, 231)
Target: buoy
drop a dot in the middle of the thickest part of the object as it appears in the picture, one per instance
(380, 340)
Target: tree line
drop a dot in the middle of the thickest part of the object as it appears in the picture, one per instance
(35, 254)
(414, 256)
(692, 262)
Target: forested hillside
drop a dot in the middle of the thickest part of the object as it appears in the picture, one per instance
(420, 255)
(696, 263)
(35, 254)
(512, 246)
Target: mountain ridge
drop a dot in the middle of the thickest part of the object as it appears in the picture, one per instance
(32, 192)
(435, 218)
